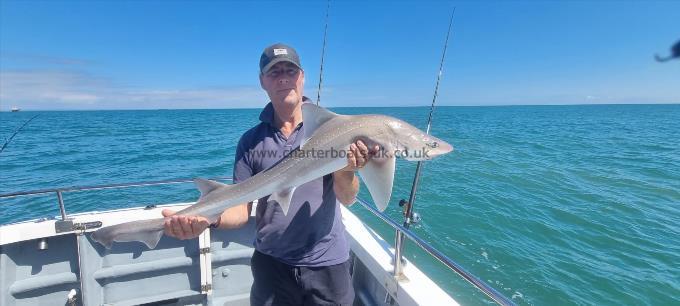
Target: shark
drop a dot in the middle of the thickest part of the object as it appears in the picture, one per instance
(327, 136)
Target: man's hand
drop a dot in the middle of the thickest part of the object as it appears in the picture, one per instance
(345, 183)
(183, 227)
(359, 155)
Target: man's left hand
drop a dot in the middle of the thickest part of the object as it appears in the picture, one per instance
(358, 155)
(346, 184)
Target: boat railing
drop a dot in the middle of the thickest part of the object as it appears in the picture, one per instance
(400, 230)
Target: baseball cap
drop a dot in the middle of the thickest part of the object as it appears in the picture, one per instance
(277, 53)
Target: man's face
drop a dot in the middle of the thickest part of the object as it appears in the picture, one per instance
(283, 83)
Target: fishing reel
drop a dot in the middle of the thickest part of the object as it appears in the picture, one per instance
(414, 218)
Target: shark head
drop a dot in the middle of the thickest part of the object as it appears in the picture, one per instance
(413, 144)
(397, 139)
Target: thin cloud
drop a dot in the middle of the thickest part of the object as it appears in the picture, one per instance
(49, 87)
(40, 59)
(79, 90)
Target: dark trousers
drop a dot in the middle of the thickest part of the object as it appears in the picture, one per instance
(276, 283)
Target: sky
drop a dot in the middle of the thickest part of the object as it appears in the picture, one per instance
(86, 55)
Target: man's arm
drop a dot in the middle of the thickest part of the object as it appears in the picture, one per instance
(345, 181)
(189, 227)
(235, 217)
(346, 186)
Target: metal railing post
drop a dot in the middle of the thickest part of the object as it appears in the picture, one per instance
(62, 209)
(398, 246)
(408, 212)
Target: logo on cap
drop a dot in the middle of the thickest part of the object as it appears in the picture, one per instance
(280, 51)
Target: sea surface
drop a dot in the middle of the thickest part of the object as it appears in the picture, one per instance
(552, 205)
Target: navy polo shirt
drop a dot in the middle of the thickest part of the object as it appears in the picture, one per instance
(312, 233)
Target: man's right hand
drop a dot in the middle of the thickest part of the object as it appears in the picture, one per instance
(183, 227)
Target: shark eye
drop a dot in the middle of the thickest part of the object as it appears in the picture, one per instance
(433, 144)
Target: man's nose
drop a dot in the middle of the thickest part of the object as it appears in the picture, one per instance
(283, 80)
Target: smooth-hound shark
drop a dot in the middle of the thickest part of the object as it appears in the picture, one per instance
(325, 133)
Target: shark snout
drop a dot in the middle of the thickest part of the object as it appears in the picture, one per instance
(428, 150)
(439, 147)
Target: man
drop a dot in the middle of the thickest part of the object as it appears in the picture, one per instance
(301, 258)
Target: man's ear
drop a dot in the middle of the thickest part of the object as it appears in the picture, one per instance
(261, 82)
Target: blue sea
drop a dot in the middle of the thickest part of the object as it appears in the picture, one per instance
(552, 205)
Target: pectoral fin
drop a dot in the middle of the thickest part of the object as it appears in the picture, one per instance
(378, 175)
(283, 197)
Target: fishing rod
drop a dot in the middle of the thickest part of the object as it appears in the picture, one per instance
(408, 209)
(323, 51)
(15, 133)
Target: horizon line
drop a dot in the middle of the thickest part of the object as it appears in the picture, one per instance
(396, 106)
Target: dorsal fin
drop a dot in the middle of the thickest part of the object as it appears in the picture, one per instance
(313, 117)
(206, 186)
